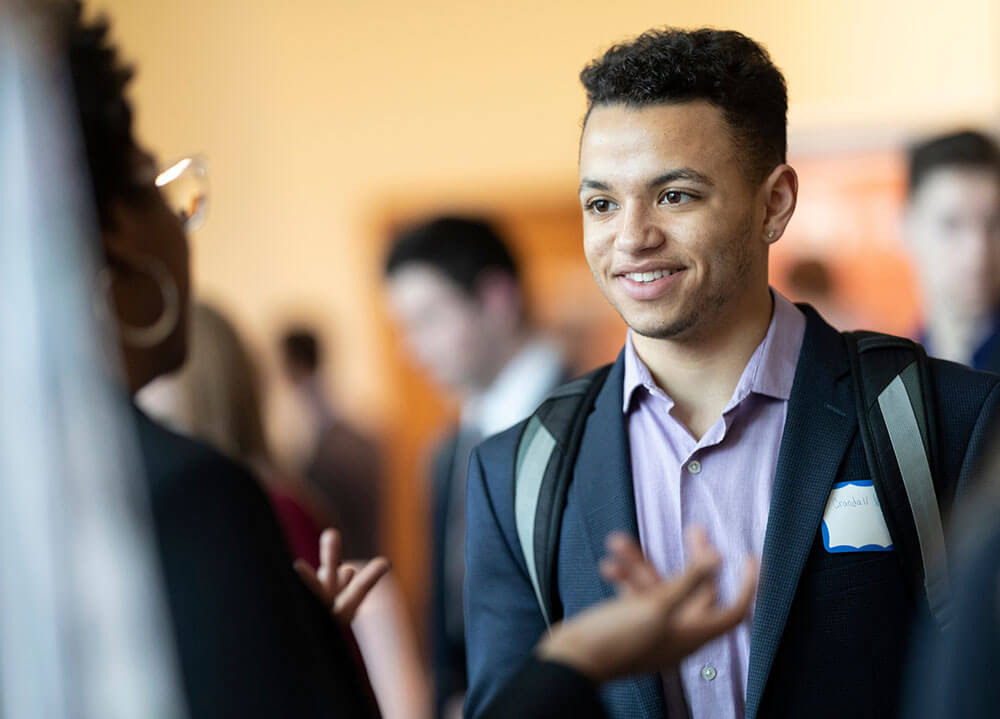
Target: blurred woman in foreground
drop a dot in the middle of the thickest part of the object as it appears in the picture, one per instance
(216, 397)
(251, 639)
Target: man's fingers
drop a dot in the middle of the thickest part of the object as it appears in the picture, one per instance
(361, 583)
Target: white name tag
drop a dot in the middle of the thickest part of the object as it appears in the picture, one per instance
(853, 520)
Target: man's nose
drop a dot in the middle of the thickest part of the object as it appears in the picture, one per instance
(638, 231)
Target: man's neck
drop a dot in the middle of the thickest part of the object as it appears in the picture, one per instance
(700, 373)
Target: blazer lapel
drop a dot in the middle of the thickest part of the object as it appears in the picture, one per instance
(820, 423)
(602, 484)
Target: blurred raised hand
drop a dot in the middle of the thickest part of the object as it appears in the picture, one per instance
(654, 622)
(341, 586)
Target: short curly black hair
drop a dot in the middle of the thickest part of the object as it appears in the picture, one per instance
(99, 80)
(723, 67)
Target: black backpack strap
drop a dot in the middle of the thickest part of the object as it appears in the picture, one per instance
(543, 469)
(898, 426)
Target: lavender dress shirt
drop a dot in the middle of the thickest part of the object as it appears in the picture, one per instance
(721, 483)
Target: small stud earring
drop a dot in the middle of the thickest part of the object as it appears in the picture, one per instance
(770, 235)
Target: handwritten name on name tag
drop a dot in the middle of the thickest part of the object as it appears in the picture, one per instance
(852, 521)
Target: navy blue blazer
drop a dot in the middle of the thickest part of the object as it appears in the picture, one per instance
(830, 630)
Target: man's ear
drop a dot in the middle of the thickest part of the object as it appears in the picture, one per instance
(780, 192)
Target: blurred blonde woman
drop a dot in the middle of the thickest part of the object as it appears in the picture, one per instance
(216, 397)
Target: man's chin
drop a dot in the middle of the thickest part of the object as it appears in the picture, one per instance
(663, 329)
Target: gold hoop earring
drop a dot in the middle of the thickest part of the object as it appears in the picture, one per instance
(166, 323)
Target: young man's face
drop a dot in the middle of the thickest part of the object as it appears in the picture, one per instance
(671, 228)
(953, 227)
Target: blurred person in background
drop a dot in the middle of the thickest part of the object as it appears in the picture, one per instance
(952, 674)
(251, 639)
(952, 230)
(342, 462)
(455, 290)
(216, 397)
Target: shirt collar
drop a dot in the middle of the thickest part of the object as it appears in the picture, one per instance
(770, 371)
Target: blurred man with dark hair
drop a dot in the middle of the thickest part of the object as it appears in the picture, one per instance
(729, 408)
(952, 228)
(455, 290)
(342, 462)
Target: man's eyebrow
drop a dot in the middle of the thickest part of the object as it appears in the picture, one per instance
(587, 184)
(683, 173)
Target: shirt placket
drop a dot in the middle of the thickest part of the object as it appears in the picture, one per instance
(705, 673)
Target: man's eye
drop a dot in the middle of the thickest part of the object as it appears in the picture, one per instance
(675, 197)
(600, 206)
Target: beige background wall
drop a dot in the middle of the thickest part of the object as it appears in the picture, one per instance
(314, 113)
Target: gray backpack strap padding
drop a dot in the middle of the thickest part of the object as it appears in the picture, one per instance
(533, 454)
(898, 426)
(904, 433)
(543, 470)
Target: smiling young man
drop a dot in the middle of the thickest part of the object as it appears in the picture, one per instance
(729, 408)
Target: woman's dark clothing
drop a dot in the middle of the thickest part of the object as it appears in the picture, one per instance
(251, 639)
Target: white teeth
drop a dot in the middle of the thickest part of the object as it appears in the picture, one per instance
(647, 276)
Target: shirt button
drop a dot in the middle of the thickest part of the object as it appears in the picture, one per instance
(708, 673)
(694, 466)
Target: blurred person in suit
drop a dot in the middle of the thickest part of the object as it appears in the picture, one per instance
(952, 230)
(952, 674)
(341, 461)
(216, 397)
(251, 639)
(455, 290)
